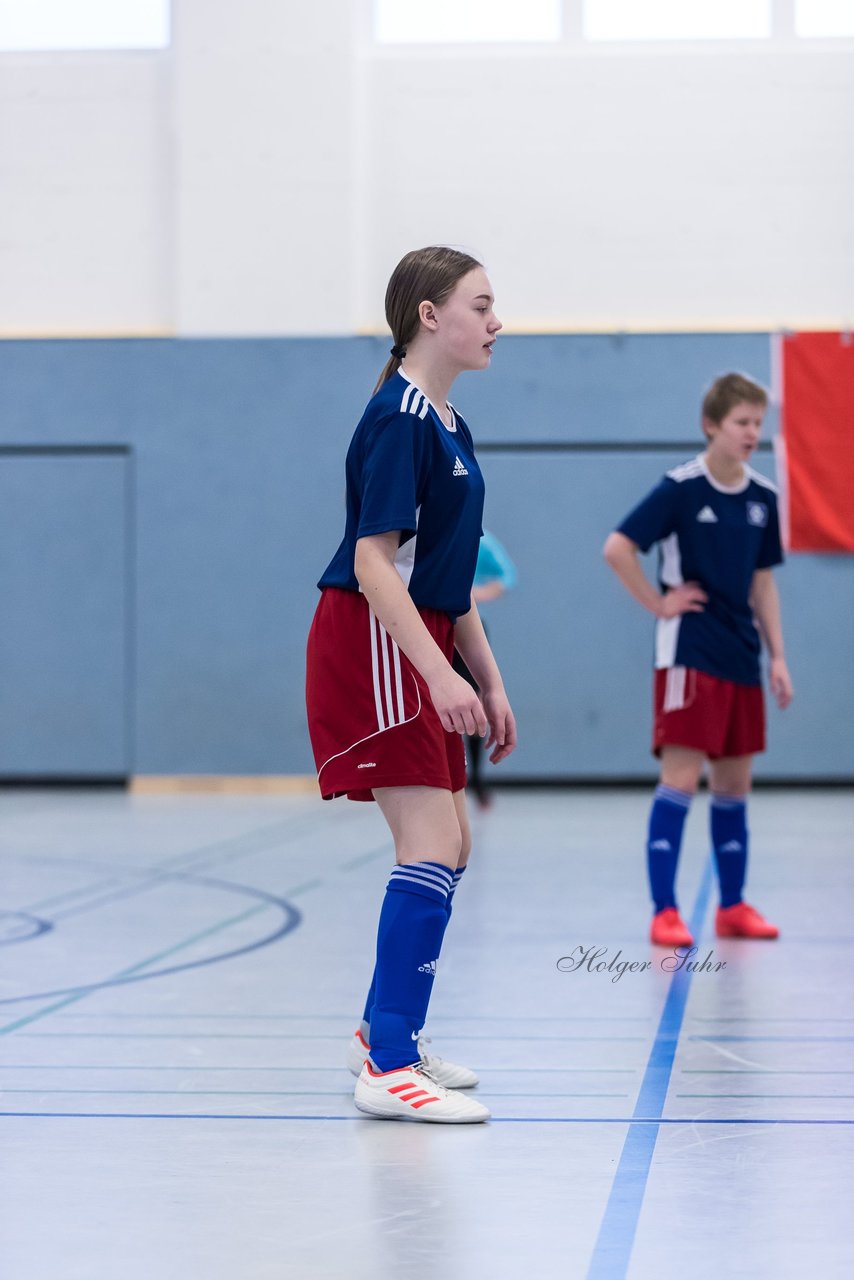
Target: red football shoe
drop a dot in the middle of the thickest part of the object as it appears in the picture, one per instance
(743, 921)
(669, 929)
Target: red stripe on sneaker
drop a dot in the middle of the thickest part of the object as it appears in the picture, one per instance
(416, 1093)
(362, 1041)
(416, 1105)
(398, 1088)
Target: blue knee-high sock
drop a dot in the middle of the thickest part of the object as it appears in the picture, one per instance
(366, 1016)
(412, 924)
(664, 840)
(728, 822)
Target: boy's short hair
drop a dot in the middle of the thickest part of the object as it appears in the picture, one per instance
(728, 391)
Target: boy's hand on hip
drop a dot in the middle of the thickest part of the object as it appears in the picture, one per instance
(688, 597)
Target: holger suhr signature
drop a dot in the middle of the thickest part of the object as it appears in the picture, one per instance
(594, 960)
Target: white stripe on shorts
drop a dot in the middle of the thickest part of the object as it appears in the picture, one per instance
(385, 667)
(385, 641)
(674, 689)
(375, 670)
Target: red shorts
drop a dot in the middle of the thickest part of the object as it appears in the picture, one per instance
(370, 717)
(718, 717)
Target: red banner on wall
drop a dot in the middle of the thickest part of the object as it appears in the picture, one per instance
(818, 432)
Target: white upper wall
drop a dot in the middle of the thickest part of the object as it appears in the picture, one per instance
(86, 204)
(264, 175)
(624, 189)
(264, 191)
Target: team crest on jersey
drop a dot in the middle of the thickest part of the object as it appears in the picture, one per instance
(757, 513)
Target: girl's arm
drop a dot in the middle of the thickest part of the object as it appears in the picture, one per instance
(622, 555)
(457, 704)
(475, 652)
(765, 602)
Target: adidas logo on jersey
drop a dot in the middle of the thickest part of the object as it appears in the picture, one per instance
(459, 469)
(707, 516)
(429, 967)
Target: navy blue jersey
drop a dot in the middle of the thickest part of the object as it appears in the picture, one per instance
(717, 536)
(406, 470)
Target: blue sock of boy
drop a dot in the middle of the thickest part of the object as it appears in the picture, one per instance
(666, 823)
(728, 822)
(409, 938)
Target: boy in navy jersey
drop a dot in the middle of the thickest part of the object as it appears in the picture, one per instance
(715, 521)
(386, 711)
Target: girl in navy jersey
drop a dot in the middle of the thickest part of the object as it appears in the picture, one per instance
(715, 520)
(386, 711)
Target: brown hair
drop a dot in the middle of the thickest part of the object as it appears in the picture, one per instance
(423, 275)
(728, 391)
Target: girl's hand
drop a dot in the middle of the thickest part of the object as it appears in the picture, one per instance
(459, 708)
(781, 683)
(502, 726)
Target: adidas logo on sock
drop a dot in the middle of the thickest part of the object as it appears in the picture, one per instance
(661, 844)
(707, 516)
(429, 967)
(459, 468)
(731, 846)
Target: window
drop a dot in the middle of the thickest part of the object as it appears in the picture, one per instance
(676, 19)
(824, 18)
(464, 21)
(83, 24)
(576, 22)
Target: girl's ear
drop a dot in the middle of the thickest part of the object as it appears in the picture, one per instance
(427, 315)
(709, 428)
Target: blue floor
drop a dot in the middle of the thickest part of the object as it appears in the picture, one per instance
(181, 976)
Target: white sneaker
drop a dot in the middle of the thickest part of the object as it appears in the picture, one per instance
(445, 1073)
(409, 1093)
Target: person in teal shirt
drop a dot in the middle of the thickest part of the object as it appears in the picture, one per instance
(494, 574)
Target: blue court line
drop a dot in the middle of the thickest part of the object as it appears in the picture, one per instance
(134, 974)
(246, 844)
(653, 1122)
(292, 919)
(145, 880)
(231, 847)
(614, 1243)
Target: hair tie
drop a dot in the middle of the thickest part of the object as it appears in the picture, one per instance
(398, 352)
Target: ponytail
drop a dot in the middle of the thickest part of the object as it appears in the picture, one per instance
(398, 355)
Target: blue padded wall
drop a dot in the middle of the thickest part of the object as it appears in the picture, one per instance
(238, 453)
(65, 653)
